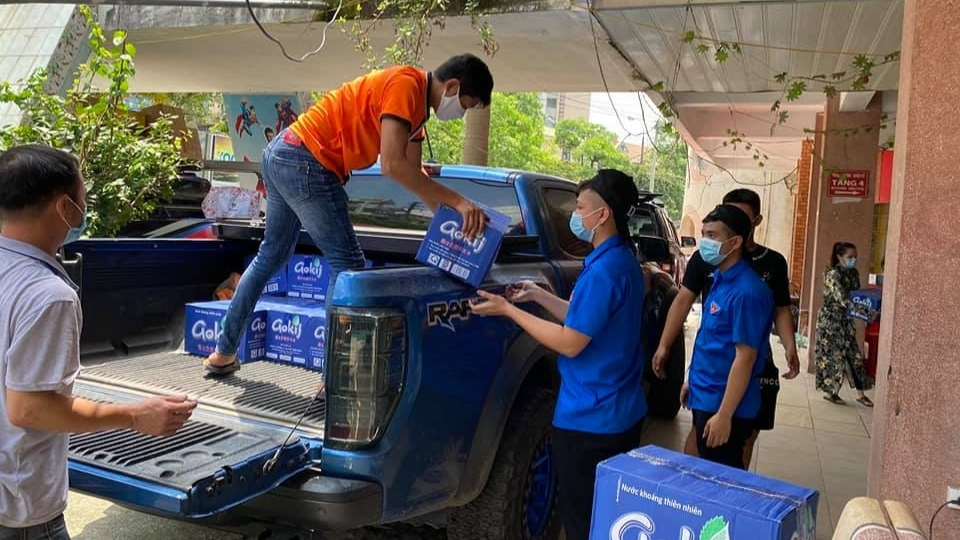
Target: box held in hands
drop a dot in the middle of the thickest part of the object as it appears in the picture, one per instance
(446, 248)
(652, 492)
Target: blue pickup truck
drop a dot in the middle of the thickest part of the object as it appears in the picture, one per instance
(431, 415)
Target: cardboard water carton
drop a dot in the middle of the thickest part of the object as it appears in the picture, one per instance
(865, 304)
(445, 247)
(308, 276)
(296, 333)
(276, 285)
(204, 324)
(653, 493)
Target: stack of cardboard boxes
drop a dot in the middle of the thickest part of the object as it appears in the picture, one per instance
(288, 324)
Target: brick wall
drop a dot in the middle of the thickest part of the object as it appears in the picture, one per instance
(801, 204)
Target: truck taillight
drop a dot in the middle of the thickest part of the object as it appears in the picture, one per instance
(364, 376)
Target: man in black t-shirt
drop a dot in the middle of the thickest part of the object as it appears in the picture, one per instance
(772, 268)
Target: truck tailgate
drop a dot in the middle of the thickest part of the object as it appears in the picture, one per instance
(217, 460)
(274, 393)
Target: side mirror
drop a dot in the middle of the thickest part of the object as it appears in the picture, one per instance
(688, 241)
(653, 248)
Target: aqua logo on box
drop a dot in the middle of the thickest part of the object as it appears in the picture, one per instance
(447, 248)
(204, 324)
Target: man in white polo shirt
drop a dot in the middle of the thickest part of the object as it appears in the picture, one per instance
(42, 206)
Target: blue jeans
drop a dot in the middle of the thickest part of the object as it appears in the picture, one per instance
(299, 192)
(55, 529)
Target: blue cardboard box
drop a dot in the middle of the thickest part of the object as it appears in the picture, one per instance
(308, 276)
(445, 247)
(865, 304)
(652, 493)
(204, 324)
(276, 285)
(296, 333)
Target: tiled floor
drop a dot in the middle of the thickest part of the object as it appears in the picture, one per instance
(815, 443)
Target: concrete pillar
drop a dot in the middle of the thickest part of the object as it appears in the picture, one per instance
(916, 435)
(476, 136)
(847, 147)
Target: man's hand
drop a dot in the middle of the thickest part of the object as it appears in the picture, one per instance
(793, 362)
(684, 394)
(660, 359)
(162, 416)
(474, 220)
(717, 430)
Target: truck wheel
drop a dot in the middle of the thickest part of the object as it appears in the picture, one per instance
(519, 500)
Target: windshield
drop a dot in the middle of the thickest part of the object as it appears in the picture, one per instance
(377, 201)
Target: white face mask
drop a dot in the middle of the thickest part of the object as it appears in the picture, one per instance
(450, 107)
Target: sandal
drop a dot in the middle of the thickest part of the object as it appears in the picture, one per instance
(835, 399)
(865, 401)
(221, 371)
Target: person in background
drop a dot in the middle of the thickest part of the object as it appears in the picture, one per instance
(43, 206)
(771, 266)
(601, 406)
(837, 351)
(723, 389)
(306, 167)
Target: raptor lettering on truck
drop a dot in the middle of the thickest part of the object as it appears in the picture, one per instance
(445, 313)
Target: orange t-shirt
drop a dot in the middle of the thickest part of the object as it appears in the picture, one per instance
(342, 130)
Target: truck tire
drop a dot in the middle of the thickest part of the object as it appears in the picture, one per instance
(663, 397)
(519, 500)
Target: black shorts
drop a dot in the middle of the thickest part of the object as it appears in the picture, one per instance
(769, 388)
(731, 453)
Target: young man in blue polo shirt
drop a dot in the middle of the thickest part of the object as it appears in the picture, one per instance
(729, 353)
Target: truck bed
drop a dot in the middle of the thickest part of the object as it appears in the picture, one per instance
(266, 391)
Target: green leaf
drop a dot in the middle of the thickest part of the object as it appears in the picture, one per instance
(702, 48)
(830, 90)
(119, 37)
(715, 529)
(782, 117)
(781, 77)
(797, 88)
(721, 55)
(689, 37)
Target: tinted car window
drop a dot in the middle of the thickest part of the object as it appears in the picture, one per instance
(644, 222)
(377, 201)
(561, 203)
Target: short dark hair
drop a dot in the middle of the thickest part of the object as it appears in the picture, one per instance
(33, 174)
(734, 218)
(744, 196)
(620, 193)
(473, 74)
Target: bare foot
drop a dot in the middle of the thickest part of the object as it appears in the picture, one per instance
(218, 360)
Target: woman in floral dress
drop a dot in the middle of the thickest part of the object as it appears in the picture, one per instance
(837, 351)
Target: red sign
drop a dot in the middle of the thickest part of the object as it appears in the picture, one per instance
(849, 184)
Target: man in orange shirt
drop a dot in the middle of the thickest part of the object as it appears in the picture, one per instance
(306, 166)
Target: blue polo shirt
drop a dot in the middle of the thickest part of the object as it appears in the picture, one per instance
(600, 388)
(738, 310)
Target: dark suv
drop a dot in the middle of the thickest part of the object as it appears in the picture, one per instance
(651, 219)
